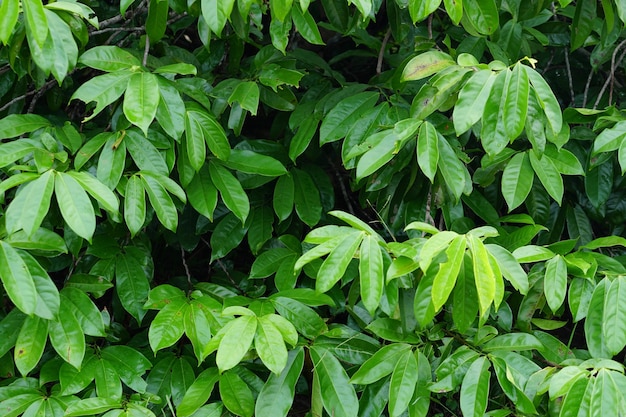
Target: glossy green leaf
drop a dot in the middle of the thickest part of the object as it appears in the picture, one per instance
(171, 110)
(103, 89)
(141, 100)
(269, 344)
(202, 193)
(614, 316)
(9, 10)
(483, 15)
(75, 205)
(228, 234)
(451, 168)
(156, 22)
(215, 13)
(231, 190)
(445, 279)
(131, 284)
(513, 342)
(483, 273)
(276, 396)
(254, 163)
(516, 102)
(303, 137)
(11, 152)
(304, 318)
(546, 98)
(345, 114)
(338, 395)
(475, 388)
(454, 8)
(381, 364)
(336, 263)
(306, 25)
(111, 162)
(598, 184)
(428, 150)
(36, 21)
(425, 65)
(30, 344)
(168, 326)
(421, 9)
(555, 282)
(403, 381)
(236, 342)
(90, 406)
(161, 202)
(86, 312)
(548, 175)
(494, 135)
(17, 280)
(247, 95)
(108, 58)
(472, 99)
(371, 273)
(31, 205)
(306, 197)
(284, 195)
(134, 204)
(509, 267)
(236, 395)
(66, 336)
(198, 393)
(97, 190)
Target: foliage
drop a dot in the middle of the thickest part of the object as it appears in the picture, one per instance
(322, 208)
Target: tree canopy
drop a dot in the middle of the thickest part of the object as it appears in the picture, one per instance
(312, 208)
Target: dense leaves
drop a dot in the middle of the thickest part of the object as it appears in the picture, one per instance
(312, 208)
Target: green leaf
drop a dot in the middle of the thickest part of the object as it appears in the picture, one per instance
(9, 10)
(338, 395)
(483, 273)
(546, 99)
(252, 162)
(465, 298)
(236, 342)
(301, 140)
(306, 25)
(97, 190)
(555, 282)
(10, 325)
(516, 102)
(171, 110)
(131, 284)
(305, 319)
(426, 64)
(134, 204)
(372, 277)
(156, 21)
(111, 163)
(66, 336)
(494, 135)
(548, 175)
(15, 125)
(270, 346)
(448, 272)
(381, 364)
(10, 152)
(421, 9)
(454, 8)
(198, 328)
(566, 162)
(345, 114)
(277, 395)
(509, 267)
(513, 342)
(90, 406)
(202, 193)
(167, 327)
(108, 58)
(75, 205)
(306, 198)
(283, 200)
(247, 95)
(141, 100)
(86, 312)
(483, 15)
(161, 202)
(36, 21)
(215, 13)
(614, 316)
(235, 198)
(30, 343)
(228, 234)
(17, 280)
(236, 395)
(103, 89)
(403, 381)
(198, 393)
(517, 180)
(31, 205)
(336, 263)
(599, 183)
(451, 168)
(475, 388)
(582, 23)
(433, 246)
(472, 100)
(128, 364)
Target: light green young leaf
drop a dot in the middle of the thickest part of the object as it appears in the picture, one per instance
(236, 342)
(36, 21)
(9, 10)
(270, 346)
(246, 93)
(216, 12)
(142, 100)
(305, 319)
(517, 180)
(454, 8)
(546, 99)
(433, 246)
(509, 267)
(421, 9)
(494, 135)
(483, 273)
(483, 15)
(516, 103)
(97, 190)
(448, 272)
(336, 263)
(75, 205)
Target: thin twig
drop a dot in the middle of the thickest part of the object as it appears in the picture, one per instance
(381, 53)
(16, 99)
(569, 78)
(146, 51)
(118, 29)
(587, 85)
(187, 273)
(610, 80)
